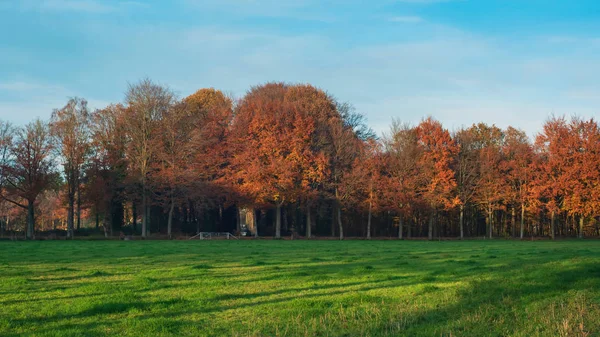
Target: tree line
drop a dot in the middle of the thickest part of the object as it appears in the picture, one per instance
(290, 159)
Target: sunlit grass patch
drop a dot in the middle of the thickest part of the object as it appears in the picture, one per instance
(300, 288)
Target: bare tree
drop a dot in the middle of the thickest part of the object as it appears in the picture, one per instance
(147, 103)
(29, 169)
(6, 140)
(70, 128)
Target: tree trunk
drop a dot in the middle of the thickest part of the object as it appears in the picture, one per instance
(238, 226)
(522, 220)
(369, 220)
(78, 207)
(198, 222)
(339, 219)
(7, 223)
(220, 218)
(333, 215)
(581, 220)
(29, 233)
(106, 221)
(255, 223)
(430, 228)
(278, 222)
(97, 219)
(170, 220)
(308, 222)
(502, 225)
(149, 218)
(70, 212)
(400, 227)
(144, 211)
(490, 221)
(284, 220)
(513, 222)
(552, 225)
(461, 222)
(134, 216)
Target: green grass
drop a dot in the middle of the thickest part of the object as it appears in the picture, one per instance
(300, 288)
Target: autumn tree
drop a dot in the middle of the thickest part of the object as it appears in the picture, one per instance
(319, 107)
(51, 209)
(209, 113)
(571, 170)
(490, 189)
(583, 173)
(70, 128)
(467, 170)
(398, 184)
(273, 162)
(172, 154)
(108, 167)
(436, 183)
(362, 184)
(341, 153)
(29, 170)
(518, 165)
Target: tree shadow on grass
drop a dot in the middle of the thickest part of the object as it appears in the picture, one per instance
(109, 307)
(53, 298)
(390, 282)
(497, 300)
(159, 325)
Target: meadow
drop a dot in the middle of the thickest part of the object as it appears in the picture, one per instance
(300, 288)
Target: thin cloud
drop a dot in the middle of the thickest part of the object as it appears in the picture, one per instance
(20, 86)
(81, 6)
(406, 19)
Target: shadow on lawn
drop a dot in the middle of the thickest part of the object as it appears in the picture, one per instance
(53, 298)
(496, 298)
(108, 327)
(494, 287)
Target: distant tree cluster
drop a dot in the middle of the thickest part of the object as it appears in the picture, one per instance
(290, 160)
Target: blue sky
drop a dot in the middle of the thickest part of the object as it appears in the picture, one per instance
(507, 62)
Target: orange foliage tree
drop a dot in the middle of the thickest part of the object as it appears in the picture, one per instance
(273, 162)
(436, 182)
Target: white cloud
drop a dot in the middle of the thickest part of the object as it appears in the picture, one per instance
(426, 69)
(457, 77)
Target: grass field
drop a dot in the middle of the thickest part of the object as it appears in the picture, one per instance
(300, 288)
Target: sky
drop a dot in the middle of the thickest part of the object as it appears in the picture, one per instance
(503, 62)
